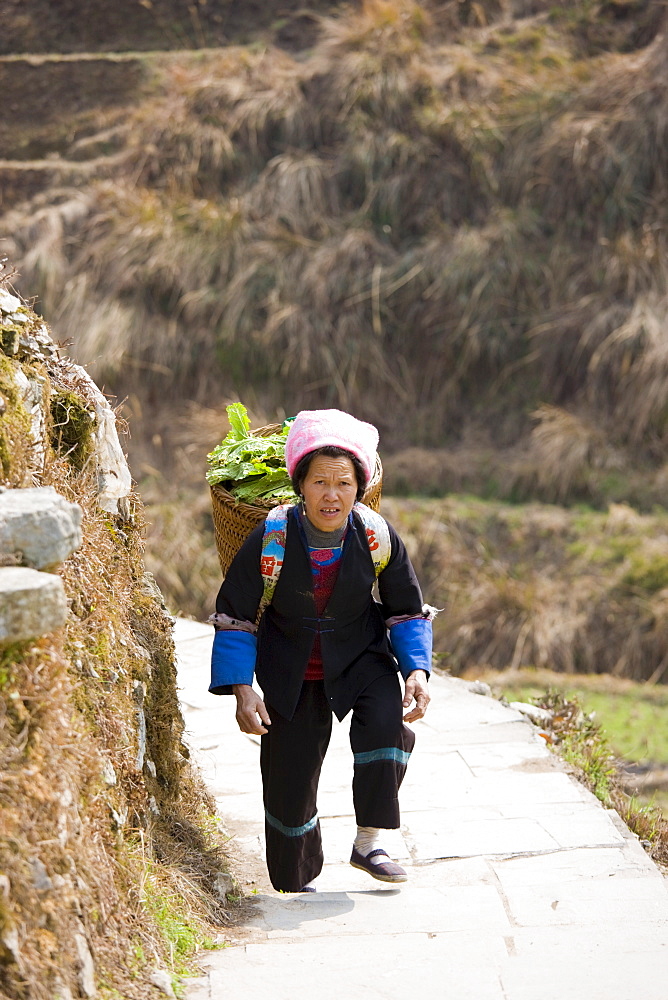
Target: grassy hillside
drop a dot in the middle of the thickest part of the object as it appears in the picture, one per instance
(448, 218)
(456, 208)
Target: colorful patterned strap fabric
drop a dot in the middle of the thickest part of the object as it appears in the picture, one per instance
(378, 536)
(273, 551)
(275, 533)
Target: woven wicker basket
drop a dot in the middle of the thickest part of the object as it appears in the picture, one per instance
(233, 520)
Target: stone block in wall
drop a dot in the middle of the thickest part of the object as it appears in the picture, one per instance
(31, 603)
(39, 525)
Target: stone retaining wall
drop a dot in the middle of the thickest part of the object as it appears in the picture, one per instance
(39, 529)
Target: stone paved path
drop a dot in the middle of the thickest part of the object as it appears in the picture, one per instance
(522, 886)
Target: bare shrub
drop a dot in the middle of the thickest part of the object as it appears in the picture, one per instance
(610, 153)
(299, 190)
(633, 361)
(564, 454)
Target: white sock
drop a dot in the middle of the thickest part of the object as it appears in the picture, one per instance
(366, 841)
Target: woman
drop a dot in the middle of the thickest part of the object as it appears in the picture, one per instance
(321, 646)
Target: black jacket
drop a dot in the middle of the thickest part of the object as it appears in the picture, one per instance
(354, 642)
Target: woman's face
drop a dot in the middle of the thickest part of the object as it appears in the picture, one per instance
(329, 490)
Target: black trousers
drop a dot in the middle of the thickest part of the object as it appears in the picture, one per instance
(291, 757)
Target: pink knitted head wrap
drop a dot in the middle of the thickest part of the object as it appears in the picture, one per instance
(314, 429)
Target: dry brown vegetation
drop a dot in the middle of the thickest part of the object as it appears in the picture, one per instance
(105, 851)
(449, 218)
(574, 591)
(458, 208)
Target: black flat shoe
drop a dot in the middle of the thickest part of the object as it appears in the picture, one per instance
(385, 871)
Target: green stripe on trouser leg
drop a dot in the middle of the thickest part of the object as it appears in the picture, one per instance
(381, 746)
(291, 831)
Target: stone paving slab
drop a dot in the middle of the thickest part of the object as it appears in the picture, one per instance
(407, 966)
(426, 909)
(580, 864)
(586, 963)
(522, 886)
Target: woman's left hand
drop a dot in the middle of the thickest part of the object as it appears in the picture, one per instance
(416, 689)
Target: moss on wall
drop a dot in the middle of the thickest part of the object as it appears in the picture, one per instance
(15, 445)
(72, 427)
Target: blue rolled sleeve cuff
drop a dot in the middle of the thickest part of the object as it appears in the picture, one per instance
(232, 660)
(411, 643)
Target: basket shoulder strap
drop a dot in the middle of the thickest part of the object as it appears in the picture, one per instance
(273, 552)
(378, 536)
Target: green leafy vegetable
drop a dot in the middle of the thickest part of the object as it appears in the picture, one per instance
(252, 468)
(239, 422)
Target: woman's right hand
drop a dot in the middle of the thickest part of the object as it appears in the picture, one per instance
(249, 707)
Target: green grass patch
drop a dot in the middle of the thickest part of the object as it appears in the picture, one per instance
(183, 933)
(648, 572)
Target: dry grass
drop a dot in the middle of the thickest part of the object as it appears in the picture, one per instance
(532, 585)
(415, 211)
(447, 218)
(123, 859)
(565, 460)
